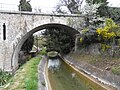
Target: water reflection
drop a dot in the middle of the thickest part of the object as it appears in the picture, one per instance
(63, 77)
(54, 64)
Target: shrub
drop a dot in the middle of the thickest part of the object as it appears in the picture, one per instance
(109, 31)
(104, 47)
(43, 51)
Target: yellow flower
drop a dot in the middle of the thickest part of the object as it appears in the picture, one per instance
(81, 40)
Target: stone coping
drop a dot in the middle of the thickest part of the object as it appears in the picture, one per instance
(42, 14)
(41, 74)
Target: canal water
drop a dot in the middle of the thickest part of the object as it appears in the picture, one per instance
(66, 78)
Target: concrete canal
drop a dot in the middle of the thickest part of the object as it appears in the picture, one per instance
(63, 77)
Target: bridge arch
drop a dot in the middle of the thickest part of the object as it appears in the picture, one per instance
(14, 59)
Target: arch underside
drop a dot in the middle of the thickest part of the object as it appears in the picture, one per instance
(14, 60)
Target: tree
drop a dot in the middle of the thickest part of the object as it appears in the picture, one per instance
(105, 11)
(101, 9)
(27, 46)
(73, 6)
(25, 6)
(59, 39)
(96, 1)
(113, 13)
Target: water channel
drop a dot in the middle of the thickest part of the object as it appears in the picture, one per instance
(63, 77)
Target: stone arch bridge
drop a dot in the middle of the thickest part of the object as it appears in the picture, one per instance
(20, 25)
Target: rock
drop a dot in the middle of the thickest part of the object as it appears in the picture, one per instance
(73, 75)
(108, 68)
(52, 54)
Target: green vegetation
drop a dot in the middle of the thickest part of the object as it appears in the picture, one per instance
(59, 39)
(27, 46)
(103, 34)
(39, 41)
(26, 78)
(106, 35)
(25, 6)
(104, 47)
(109, 30)
(116, 70)
(4, 77)
(102, 9)
(43, 51)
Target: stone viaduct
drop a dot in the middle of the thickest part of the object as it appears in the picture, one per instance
(20, 25)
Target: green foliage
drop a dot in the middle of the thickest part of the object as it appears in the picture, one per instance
(116, 70)
(105, 47)
(4, 77)
(27, 46)
(59, 40)
(109, 31)
(31, 80)
(114, 13)
(43, 51)
(102, 9)
(81, 40)
(111, 12)
(26, 78)
(24, 6)
(88, 37)
(96, 1)
(105, 35)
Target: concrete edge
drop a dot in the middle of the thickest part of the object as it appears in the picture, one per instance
(95, 78)
(41, 78)
(43, 81)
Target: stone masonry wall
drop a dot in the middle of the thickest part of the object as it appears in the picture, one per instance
(18, 24)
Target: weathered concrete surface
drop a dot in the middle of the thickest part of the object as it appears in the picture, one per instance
(20, 25)
(41, 75)
(101, 75)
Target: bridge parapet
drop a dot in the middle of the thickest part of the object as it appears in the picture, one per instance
(21, 24)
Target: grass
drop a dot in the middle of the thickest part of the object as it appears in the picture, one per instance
(4, 77)
(116, 70)
(43, 51)
(26, 78)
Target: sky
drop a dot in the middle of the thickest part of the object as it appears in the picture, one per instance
(44, 5)
(38, 4)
